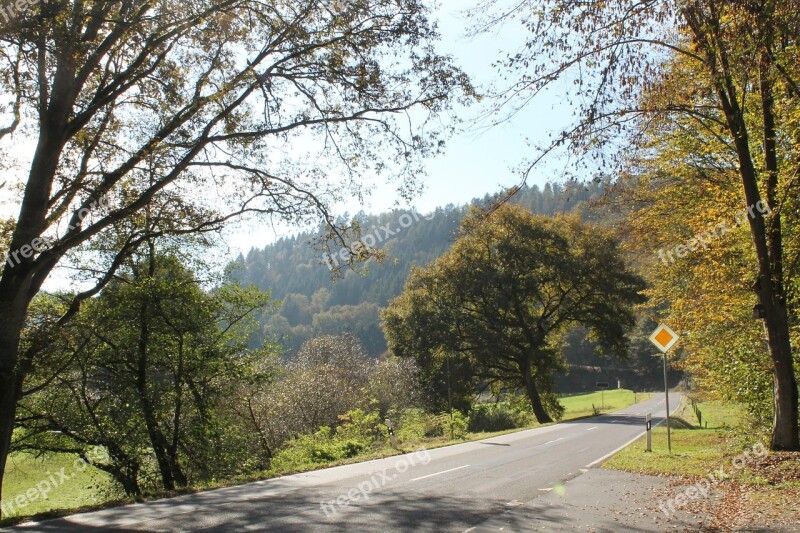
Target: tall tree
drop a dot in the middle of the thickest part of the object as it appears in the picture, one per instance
(201, 110)
(143, 371)
(742, 52)
(692, 235)
(507, 292)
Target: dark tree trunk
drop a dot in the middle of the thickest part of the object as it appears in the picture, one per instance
(129, 484)
(10, 384)
(166, 455)
(164, 466)
(127, 476)
(177, 472)
(771, 295)
(157, 440)
(533, 393)
(767, 240)
(785, 424)
(12, 375)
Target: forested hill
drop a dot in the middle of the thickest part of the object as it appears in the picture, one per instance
(312, 304)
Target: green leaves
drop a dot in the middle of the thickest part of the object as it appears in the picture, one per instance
(502, 298)
(150, 363)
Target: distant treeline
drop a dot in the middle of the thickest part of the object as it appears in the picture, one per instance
(294, 269)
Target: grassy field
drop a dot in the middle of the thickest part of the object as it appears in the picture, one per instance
(93, 487)
(25, 471)
(694, 450)
(576, 406)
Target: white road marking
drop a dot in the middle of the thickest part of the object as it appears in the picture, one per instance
(592, 428)
(552, 441)
(634, 439)
(442, 472)
(470, 529)
(547, 489)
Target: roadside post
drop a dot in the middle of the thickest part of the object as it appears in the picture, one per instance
(649, 426)
(664, 338)
(391, 433)
(602, 385)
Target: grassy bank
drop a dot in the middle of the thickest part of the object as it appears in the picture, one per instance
(92, 487)
(580, 405)
(60, 485)
(694, 450)
(759, 490)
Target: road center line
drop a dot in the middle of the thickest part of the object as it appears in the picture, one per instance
(592, 428)
(442, 472)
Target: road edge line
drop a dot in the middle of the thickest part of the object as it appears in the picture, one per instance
(634, 439)
(610, 454)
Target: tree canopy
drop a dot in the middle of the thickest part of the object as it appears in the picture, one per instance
(198, 112)
(507, 293)
(725, 69)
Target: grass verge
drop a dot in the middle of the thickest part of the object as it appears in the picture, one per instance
(694, 451)
(759, 490)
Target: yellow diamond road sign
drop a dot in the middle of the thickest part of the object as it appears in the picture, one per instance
(664, 338)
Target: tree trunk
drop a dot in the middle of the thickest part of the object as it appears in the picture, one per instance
(127, 477)
(771, 295)
(9, 394)
(129, 484)
(175, 467)
(785, 434)
(533, 394)
(767, 241)
(12, 314)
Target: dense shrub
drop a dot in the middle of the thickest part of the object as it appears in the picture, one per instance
(357, 433)
(491, 417)
(453, 425)
(417, 424)
(500, 416)
(414, 425)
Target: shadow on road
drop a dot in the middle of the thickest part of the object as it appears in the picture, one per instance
(301, 511)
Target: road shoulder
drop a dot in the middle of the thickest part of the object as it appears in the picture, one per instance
(602, 501)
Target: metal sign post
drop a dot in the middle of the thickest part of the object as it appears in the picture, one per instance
(602, 385)
(664, 338)
(666, 397)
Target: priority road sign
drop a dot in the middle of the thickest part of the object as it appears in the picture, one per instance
(664, 338)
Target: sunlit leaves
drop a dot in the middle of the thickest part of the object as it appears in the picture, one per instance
(502, 298)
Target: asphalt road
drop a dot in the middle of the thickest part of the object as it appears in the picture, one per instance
(458, 488)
